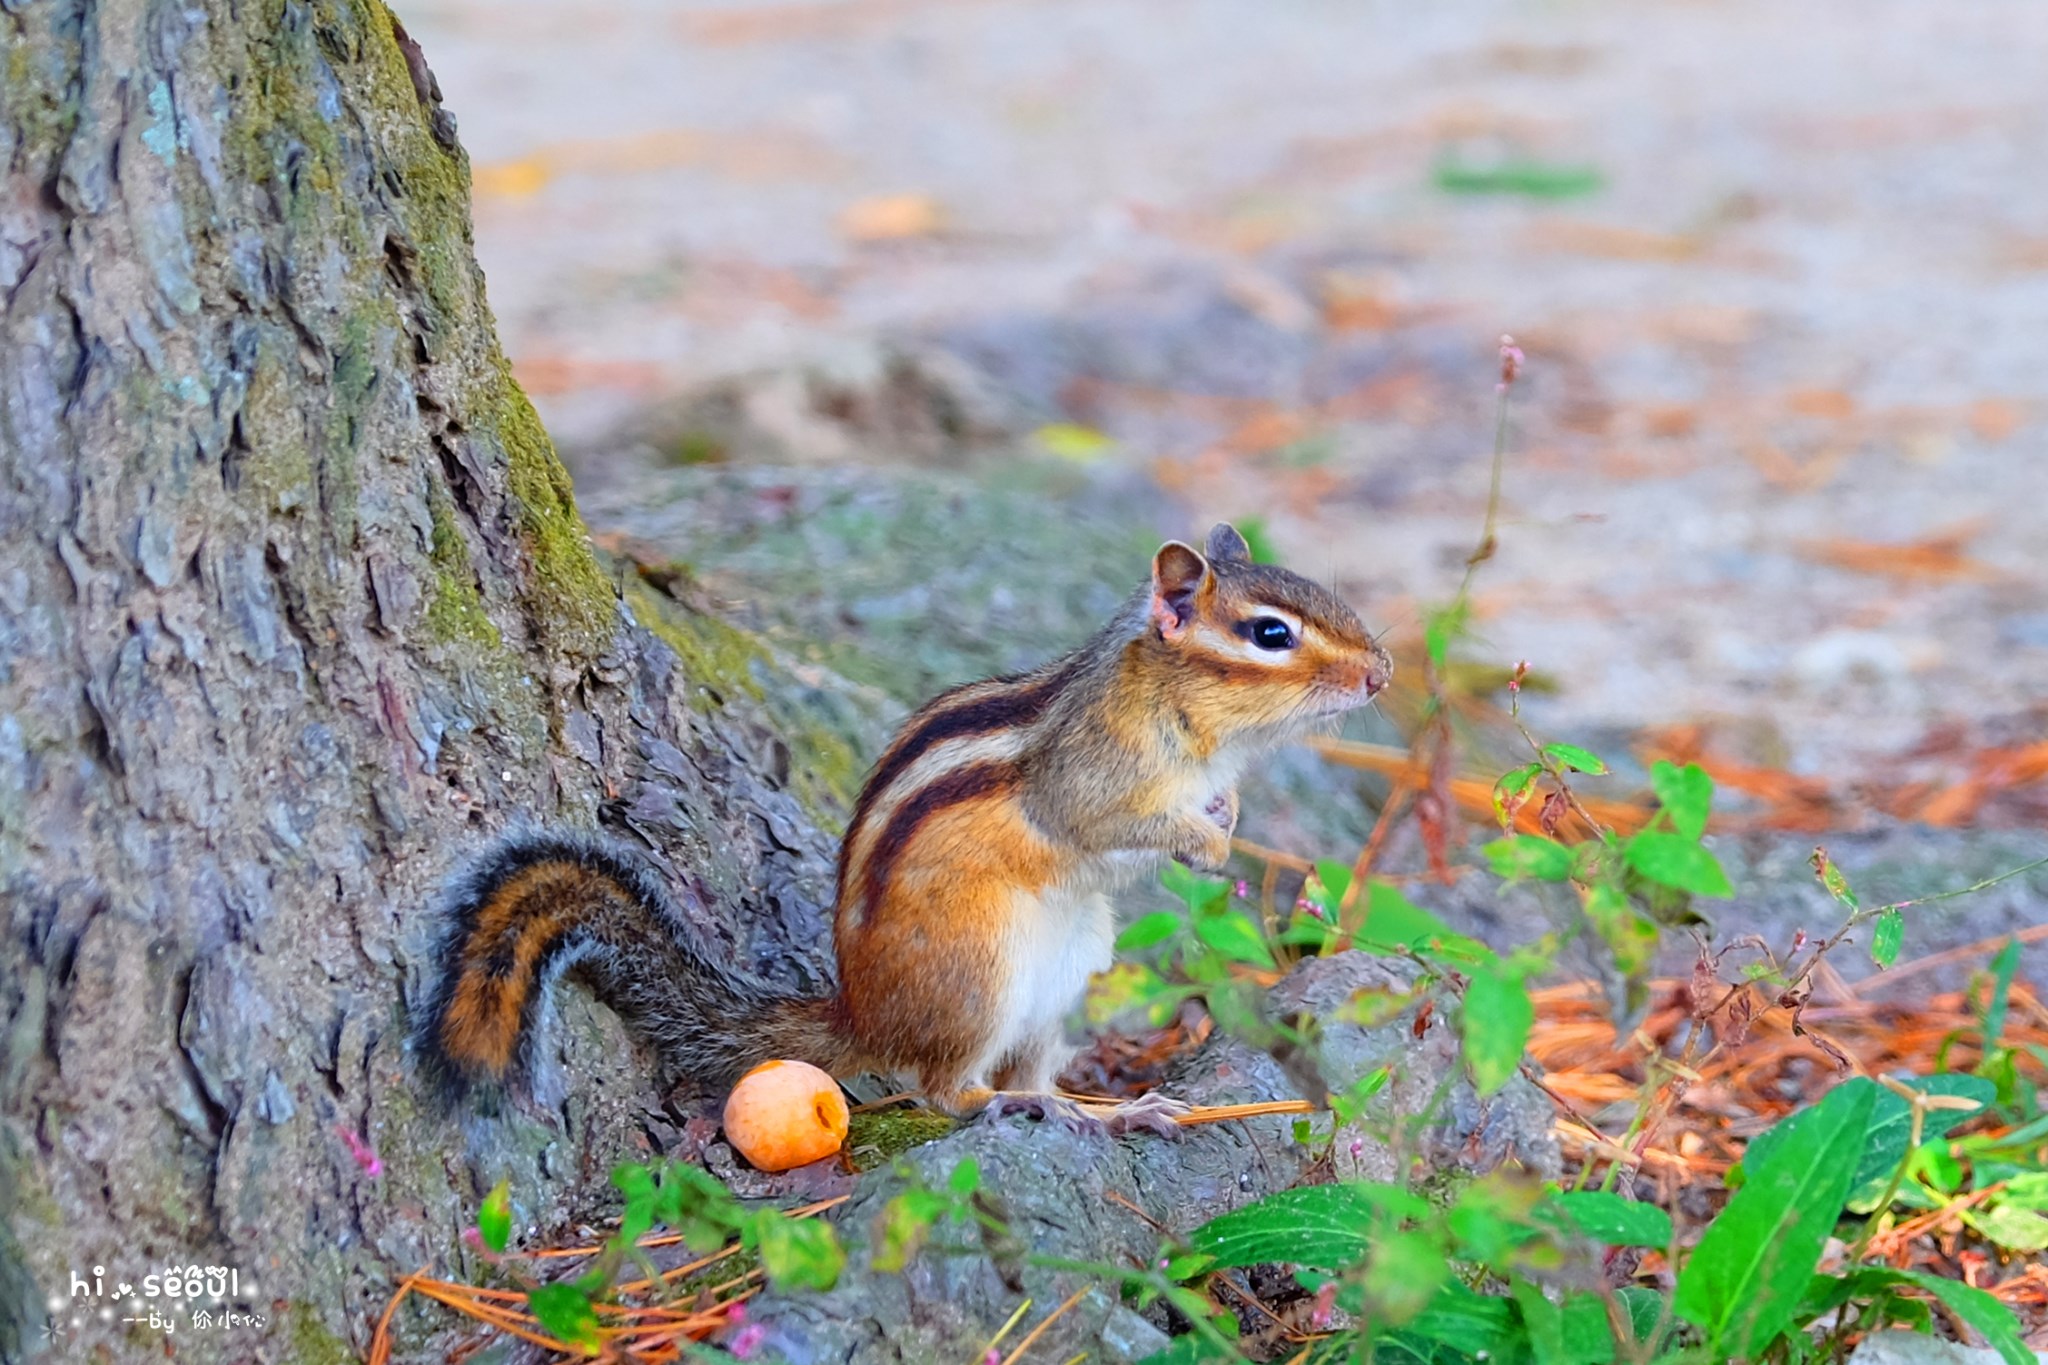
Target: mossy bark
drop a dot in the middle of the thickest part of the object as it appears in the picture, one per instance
(296, 611)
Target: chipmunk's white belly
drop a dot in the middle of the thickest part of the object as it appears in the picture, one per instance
(1054, 945)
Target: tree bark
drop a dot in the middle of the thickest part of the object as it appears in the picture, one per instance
(295, 609)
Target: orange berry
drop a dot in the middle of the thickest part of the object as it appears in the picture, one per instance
(785, 1114)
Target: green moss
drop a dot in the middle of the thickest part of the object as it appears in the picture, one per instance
(435, 205)
(360, 354)
(718, 660)
(697, 447)
(278, 138)
(275, 471)
(879, 1137)
(455, 608)
(39, 96)
(825, 772)
(743, 1262)
(571, 598)
(312, 1343)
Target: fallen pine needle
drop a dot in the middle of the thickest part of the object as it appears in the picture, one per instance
(1002, 1332)
(1223, 1113)
(1048, 1320)
(380, 1342)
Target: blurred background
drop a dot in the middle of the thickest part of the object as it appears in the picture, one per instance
(910, 325)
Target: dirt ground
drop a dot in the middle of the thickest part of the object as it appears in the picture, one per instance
(1778, 484)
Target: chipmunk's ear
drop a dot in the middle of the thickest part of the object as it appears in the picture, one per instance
(1179, 578)
(1227, 546)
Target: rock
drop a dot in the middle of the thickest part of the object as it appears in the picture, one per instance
(1127, 1338)
(1911, 1348)
(1068, 1197)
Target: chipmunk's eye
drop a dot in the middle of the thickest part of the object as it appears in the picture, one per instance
(1269, 632)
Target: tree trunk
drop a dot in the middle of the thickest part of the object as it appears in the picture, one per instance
(296, 609)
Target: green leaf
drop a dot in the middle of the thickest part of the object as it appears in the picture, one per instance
(2010, 1226)
(1891, 1131)
(1327, 884)
(965, 1178)
(1403, 1274)
(1571, 756)
(1070, 441)
(1143, 933)
(1535, 179)
(1885, 937)
(1492, 1218)
(566, 1312)
(1746, 1277)
(1189, 1349)
(798, 1253)
(1629, 936)
(1831, 877)
(1470, 1321)
(1975, 1307)
(2027, 1189)
(1495, 1024)
(1608, 1218)
(1201, 894)
(1687, 794)
(1982, 1312)
(1571, 1332)
(1542, 1320)
(1351, 1101)
(1441, 628)
(1394, 921)
(494, 1219)
(2003, 968)
(1236, 937)
(905, 1221)
(1325, 1226)
(1529, 855)
(1645, 1314)
(1511, 791)
(1677, 861)
(1588, 1339)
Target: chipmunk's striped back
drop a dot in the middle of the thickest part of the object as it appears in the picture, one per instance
(965, 745)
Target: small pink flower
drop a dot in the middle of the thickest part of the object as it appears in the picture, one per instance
(1242, 889)
(736, 1314)
(1511, 359)
(365, 1155)
(1357, 1148)
(994, 1357)
(1325, 1305)
(747, 1340)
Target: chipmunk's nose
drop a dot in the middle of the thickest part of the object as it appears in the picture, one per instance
(1379, 672)
(1365, 678)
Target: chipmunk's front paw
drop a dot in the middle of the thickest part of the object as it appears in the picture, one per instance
(1153, 1113)
(1206, 847)
(1222, 809)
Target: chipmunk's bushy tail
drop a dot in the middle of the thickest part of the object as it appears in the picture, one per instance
(536, 906)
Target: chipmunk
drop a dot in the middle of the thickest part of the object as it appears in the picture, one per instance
(970, 908)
